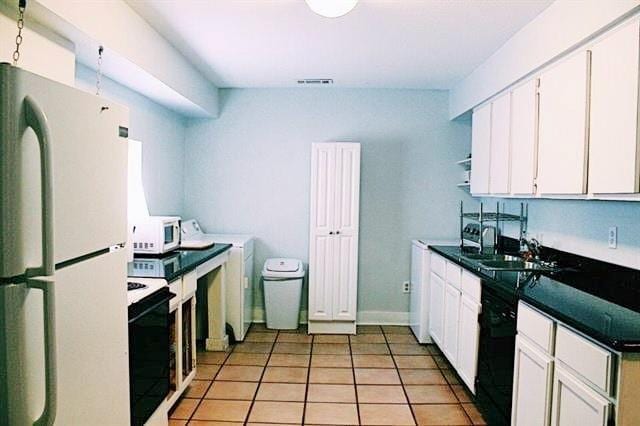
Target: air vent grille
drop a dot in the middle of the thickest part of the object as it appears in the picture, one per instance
(316, 81)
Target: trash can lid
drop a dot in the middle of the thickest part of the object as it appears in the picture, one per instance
(282, 265)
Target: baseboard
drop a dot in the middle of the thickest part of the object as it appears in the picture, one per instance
(382, 318)
(362, 318)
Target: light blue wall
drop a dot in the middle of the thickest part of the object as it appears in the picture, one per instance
(249, 171)
(580, 226)
(162, 134)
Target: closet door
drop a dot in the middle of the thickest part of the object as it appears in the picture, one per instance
(347, 192)
(562, 141)
(321, 250)
(614, 150)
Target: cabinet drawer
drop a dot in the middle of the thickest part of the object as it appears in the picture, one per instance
(584, 357)
(454, 274)
(537, 327)
(189, 284)
(438, 265)
(471, 286)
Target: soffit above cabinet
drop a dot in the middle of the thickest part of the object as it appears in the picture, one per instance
(138, 58)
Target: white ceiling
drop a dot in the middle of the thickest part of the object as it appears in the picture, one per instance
(426, 44)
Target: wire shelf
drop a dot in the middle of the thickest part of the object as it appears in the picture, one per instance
(503, 217)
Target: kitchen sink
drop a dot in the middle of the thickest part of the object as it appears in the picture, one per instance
(491, 257)
(514, 264)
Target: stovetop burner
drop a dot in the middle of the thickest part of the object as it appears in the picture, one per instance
(135, 286)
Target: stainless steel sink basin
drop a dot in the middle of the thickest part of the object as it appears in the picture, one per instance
(491, 257)
(515, 264)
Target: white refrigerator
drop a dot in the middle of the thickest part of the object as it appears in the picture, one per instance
(63, 209)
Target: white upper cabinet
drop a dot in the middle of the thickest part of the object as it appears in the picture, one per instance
(524, 128)
(614, 161)
(480, 150)
(500, 144)
(562, 141)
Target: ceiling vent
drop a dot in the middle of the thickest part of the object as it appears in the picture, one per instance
(316, 82)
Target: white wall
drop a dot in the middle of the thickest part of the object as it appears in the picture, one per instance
(557, 29)
(162, 134)
(249, 170)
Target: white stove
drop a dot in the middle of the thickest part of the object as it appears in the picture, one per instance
(150, 285)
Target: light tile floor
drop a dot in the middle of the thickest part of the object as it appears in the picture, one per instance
(381, 376)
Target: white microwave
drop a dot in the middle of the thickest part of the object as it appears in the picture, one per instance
(156, 235)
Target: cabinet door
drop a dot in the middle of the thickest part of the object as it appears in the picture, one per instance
(562, 141)
(451, 323)
(480, 149)
(347, 178)
(346, 275)
(321, 277)
(436, 309)
(574, 403)
(346, 230)
(499, 163)
(524, 144)
(613, 144)
(532, 385)
(322, 223)
(469, 331)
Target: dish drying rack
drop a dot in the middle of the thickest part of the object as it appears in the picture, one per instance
(482, 224)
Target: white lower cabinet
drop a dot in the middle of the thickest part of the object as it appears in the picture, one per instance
(436, 309)
(575, 403)
(469, 334)
(554, 384)
(451, 323)
(454, 307)
(532, 374)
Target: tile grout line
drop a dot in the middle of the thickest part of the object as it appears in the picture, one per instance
(208, 387)
(264, 370)
(404, 390)
(353, 372)
(306, 387)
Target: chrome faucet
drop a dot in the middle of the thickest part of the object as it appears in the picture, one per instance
(532, 247)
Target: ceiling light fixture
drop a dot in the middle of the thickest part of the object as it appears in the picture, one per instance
(331, 8)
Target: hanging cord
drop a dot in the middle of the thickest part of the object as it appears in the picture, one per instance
(99, 70)
(22, 5)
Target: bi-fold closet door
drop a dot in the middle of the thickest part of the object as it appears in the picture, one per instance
(333, 254)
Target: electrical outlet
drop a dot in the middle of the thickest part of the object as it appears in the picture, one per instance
(406, 287)
(613, 237)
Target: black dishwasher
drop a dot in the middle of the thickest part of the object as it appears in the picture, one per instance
(148, 354)
(496, 356)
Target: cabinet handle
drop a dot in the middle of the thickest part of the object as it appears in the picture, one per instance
(330, 232)
(337, 232)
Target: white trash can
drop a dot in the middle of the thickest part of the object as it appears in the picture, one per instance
(282, 292)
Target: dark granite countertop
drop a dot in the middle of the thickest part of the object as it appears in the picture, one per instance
(600, 300)
(174, 264)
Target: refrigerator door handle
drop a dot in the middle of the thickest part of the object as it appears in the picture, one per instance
(49, 412)
(37, 120)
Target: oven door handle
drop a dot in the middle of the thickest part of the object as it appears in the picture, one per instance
(151, 308)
